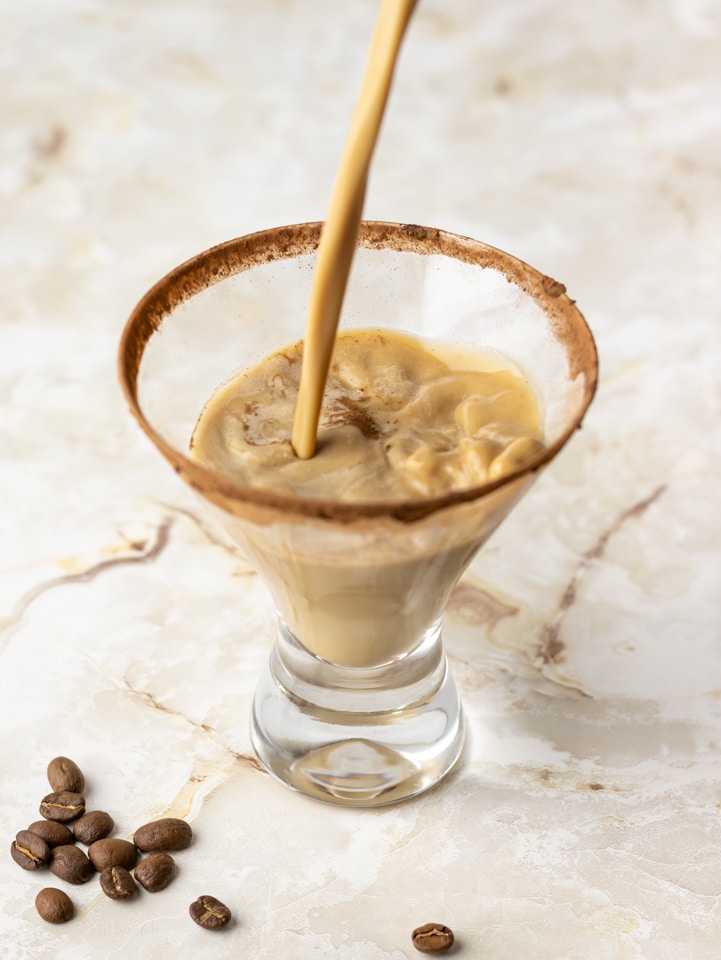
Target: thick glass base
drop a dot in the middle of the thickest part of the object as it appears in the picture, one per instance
(358, 736)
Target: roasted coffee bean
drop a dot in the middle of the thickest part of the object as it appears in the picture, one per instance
(30, 851)
(209, 913)
(62, 806)
(54, 905)
(64, 776)
(167, 834)
(53, 833)
(70, 863)
(113, 853)
(117, 883)
(155, 872)
(93, 826)
(432, 938)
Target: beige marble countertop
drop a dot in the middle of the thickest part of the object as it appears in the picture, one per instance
(585, 818)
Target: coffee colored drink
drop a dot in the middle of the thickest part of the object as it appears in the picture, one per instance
(401, 420)
(340, 231)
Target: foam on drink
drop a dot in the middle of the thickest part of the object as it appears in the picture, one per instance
(399, 420)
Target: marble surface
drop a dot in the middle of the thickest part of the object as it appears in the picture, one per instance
(584, 819)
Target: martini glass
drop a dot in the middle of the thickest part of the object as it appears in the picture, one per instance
(357, 705)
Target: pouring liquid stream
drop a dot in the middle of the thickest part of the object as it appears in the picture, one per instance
(340, 230)
(367, 415)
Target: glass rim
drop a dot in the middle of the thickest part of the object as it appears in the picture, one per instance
(287, 242)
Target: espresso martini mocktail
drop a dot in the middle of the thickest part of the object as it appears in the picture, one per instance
(400, 419)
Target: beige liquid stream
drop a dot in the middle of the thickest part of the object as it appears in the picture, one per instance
(340, 230)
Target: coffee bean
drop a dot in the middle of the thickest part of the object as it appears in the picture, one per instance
(70, 863)
(54, 905)
(209, 913)
(432, 938)
(53, 833)
(63, 806)
(93, 826)
(30, 851)
(113, 853)
(169, 833)
(117, 883)
(155, 872)
(65, 776)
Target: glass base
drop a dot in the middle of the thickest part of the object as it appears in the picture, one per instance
(357, 736)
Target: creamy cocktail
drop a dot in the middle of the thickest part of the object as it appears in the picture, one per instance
(357, 704)
(359, 526)
(400, 420)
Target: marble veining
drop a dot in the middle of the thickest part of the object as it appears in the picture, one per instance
(585, 817)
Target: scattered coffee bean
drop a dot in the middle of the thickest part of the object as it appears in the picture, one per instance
(155, 872)
(93, 826)
(169, 833)
(117, 883)
(53, 833)
(432, 938)
(113, 853)
(54, 905)
(51, 841)
(70, 863)
(63, 806)
(209, 913)
(30, 851)
(65, 776)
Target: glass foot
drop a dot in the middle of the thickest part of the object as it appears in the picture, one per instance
(357, 736)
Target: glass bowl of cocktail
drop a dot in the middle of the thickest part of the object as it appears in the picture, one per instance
(357, 705)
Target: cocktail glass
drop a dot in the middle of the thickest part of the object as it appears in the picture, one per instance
(357, 705)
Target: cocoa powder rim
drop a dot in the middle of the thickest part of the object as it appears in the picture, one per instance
(566, 322)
